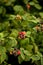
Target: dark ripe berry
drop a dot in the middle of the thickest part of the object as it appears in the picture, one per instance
(22, 36)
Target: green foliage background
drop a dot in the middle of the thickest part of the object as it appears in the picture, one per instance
(32, 46)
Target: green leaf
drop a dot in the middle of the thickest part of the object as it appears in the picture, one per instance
(41, 14)
(2, 49)
(35, 1)
(3, 57)
(9, 2)
(42, 60)
(5, 25)
(32, 39)
(20, 60)
(24, 42)
(13, 41)
(11, 17)
(1, 35)
(10, 42)
(22, 53)
(27, 58)
(14, 33)
(39, 54)
(25, 1)
(31, 3)
(38, 6)
(29, 48)
(28, 33)
(35, 57)
(34, 21)
(18, 9)
(1, 10)
(27, 53)
(41, 49)
(26, 17)
(22, 56)
(2, 54)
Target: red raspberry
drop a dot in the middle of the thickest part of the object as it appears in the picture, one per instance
(28, 6)
(18, 52)
(22, 35)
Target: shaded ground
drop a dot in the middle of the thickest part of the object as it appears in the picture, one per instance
(14, 61)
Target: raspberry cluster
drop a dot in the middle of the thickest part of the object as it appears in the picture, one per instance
(22, 35)
(15, 52)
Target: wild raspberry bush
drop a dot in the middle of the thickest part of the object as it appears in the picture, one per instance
(21, 30)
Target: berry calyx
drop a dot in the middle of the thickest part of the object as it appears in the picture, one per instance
(18, 17)
(11, 52)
